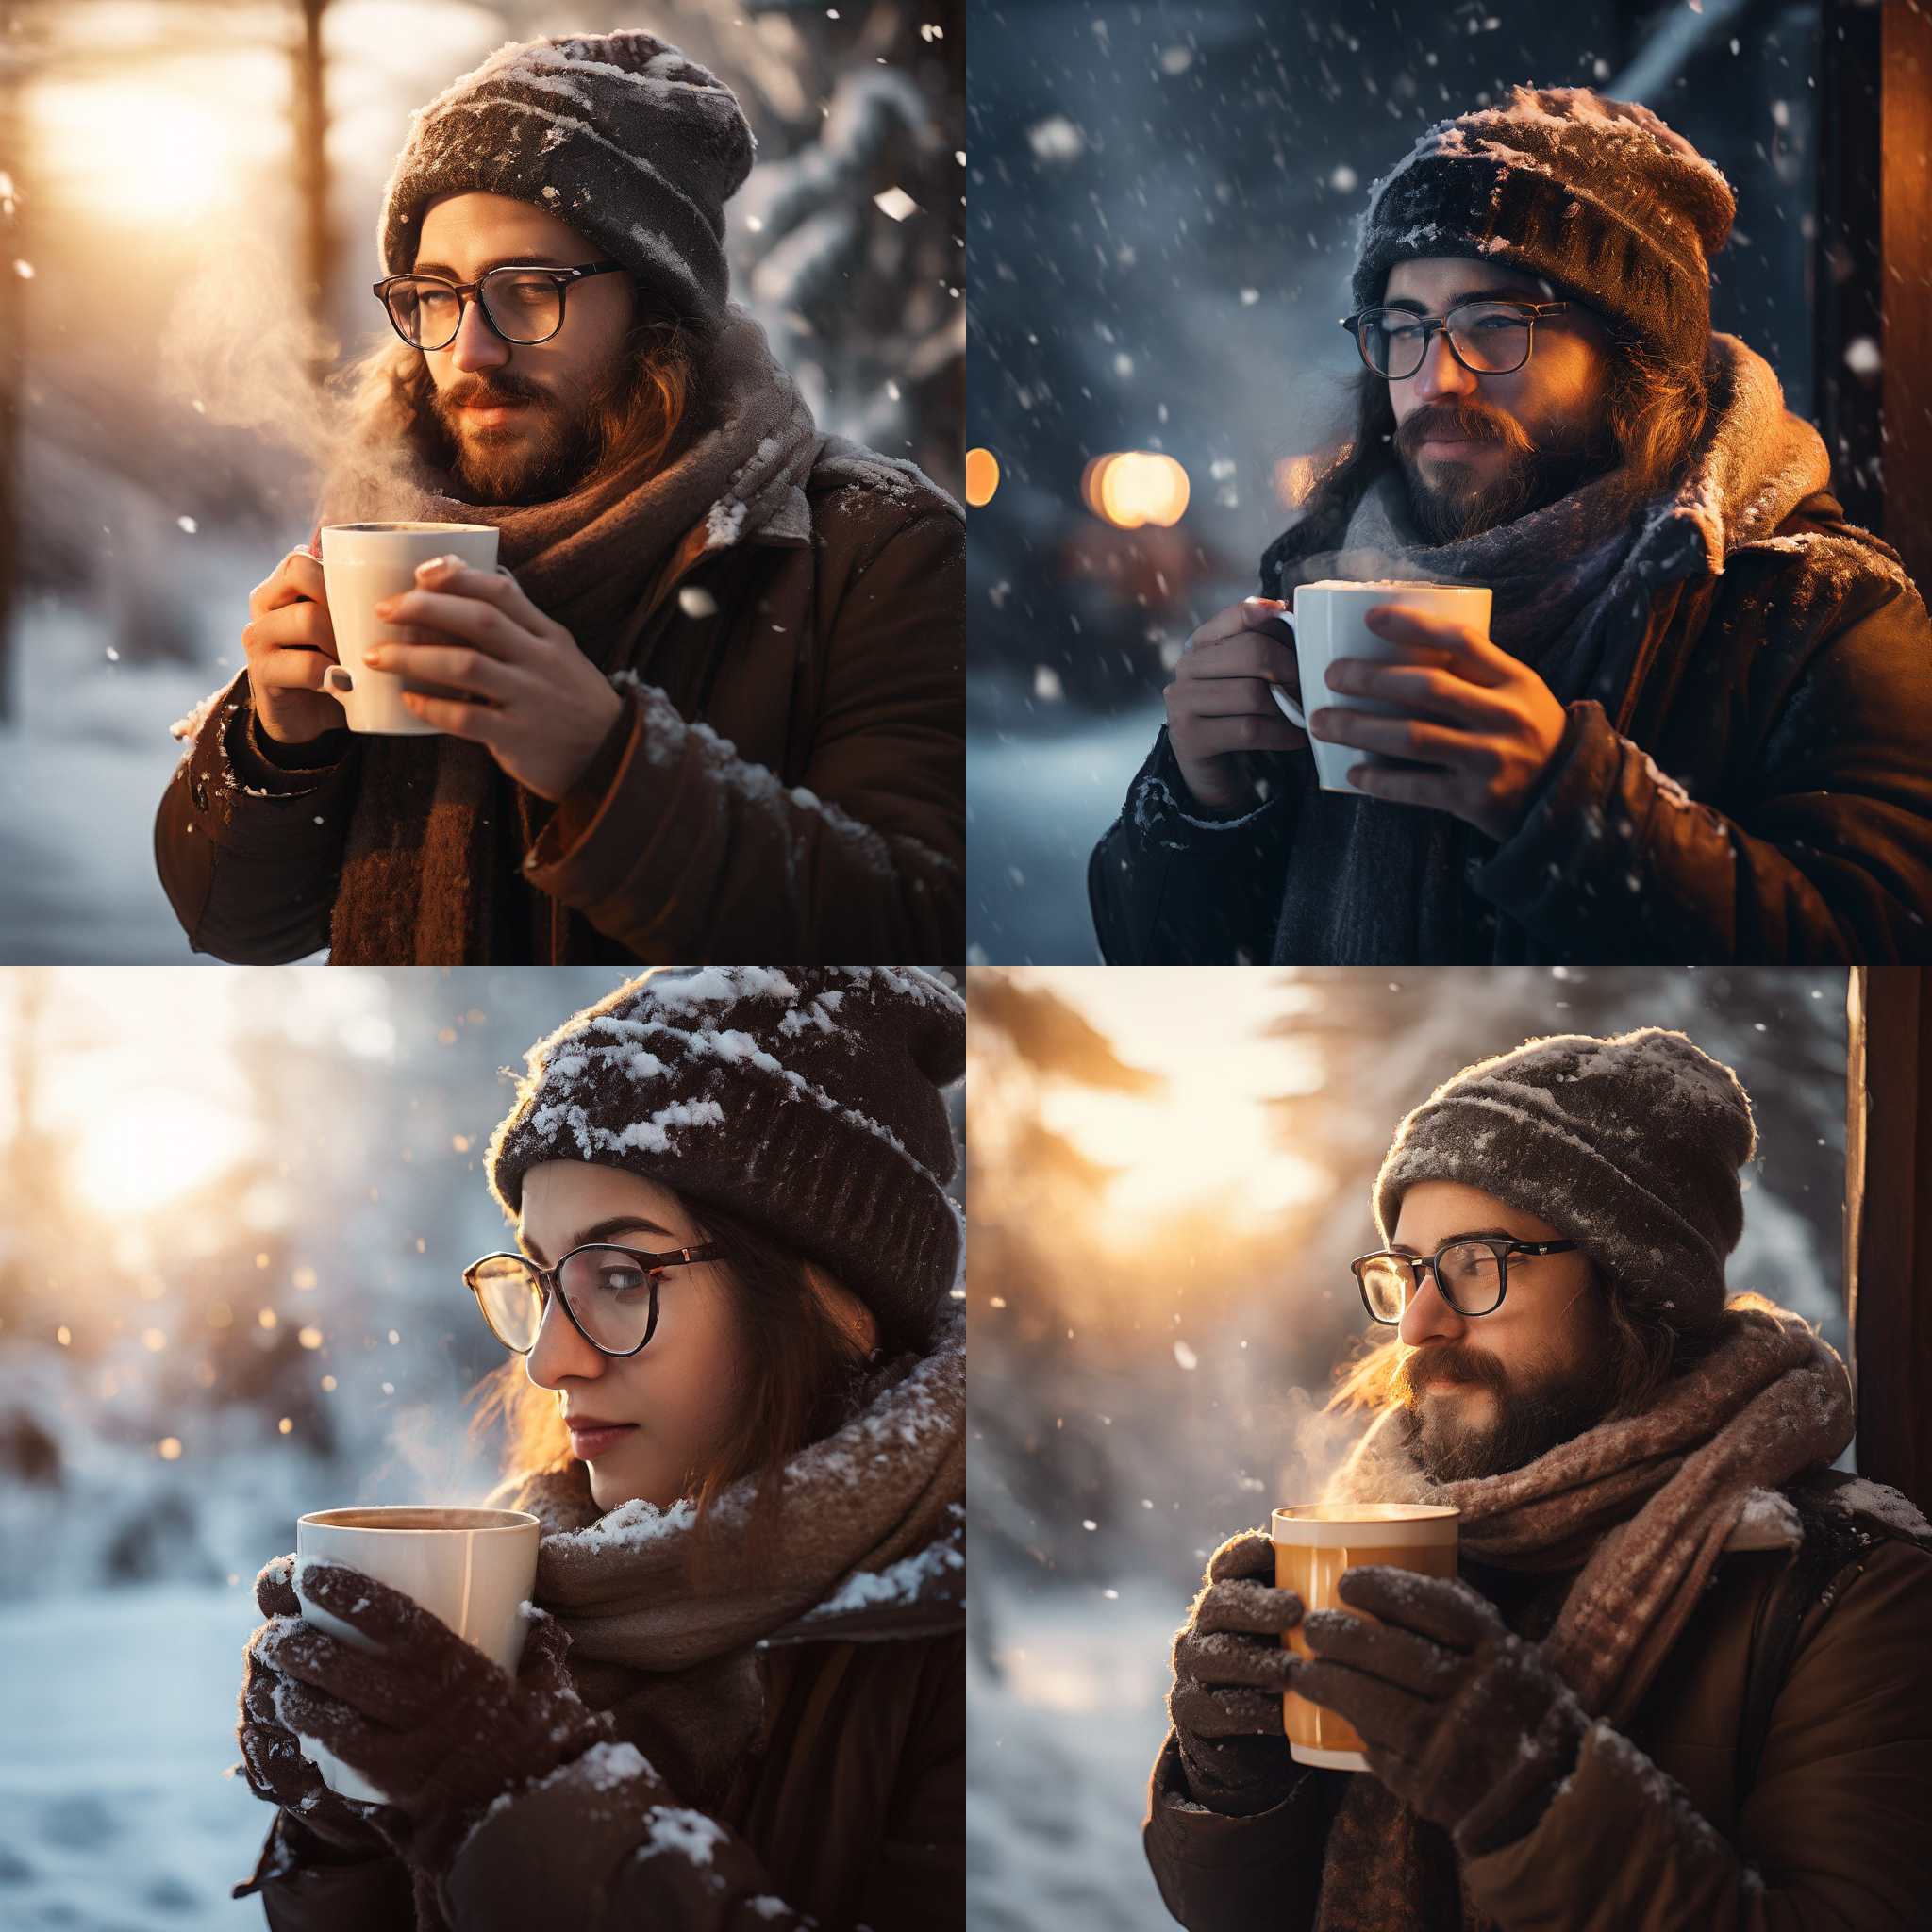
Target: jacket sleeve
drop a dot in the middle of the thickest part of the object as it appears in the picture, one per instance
(1829, 858)
(1168, 886)
(1223, 1874)
(1831, 1838)
(249, 853)
(695, 853)
(303, 1888)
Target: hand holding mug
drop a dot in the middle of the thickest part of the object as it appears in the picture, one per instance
(290, 643)
(1219, 705)
(1229, 1672)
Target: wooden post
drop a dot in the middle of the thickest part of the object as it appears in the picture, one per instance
(1889, 1222)
(1908, 251)
(317, 238)
(17, 39)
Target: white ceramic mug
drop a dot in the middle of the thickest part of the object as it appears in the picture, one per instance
(362, 564)
(472, 1568)
(1327, 623)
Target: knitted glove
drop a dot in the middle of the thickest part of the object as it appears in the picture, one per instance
(273, 1763)
(1229, 1672)
(428, 1718)
(1461, 1718)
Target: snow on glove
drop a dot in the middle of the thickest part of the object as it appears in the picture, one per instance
(1230, 1672)
(271, 1759)
(1460, 1717)
(429, 1719)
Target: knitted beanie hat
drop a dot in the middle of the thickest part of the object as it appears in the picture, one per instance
(1628, 1147)
(617, 134)
(1599, 196)
(807, 1101)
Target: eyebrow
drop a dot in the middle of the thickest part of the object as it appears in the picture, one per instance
(443, 268)
(598, 1231)
(1410, 302)
(1468, 1234)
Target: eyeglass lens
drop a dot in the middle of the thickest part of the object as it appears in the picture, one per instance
(1470, 1277)
(526, 307)
(1488, 336)
(607, 1290)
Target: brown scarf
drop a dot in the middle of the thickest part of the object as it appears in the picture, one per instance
(870, 1543)
(435, 819)
(1645, 1504)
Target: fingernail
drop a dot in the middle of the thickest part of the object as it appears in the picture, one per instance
(388, 606)
(375, 654)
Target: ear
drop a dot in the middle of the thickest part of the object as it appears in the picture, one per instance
(849, 1315)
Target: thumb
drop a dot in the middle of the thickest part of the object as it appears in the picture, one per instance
(546, 1642)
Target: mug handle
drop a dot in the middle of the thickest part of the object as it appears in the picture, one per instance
(348, 683)
(1284, 703)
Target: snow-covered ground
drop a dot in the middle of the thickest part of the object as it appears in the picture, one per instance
(1059, 1745)
(120, 1721)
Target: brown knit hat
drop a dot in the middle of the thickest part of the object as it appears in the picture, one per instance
(1629, 1145)
(618, 134)
(1597, 194)
(806, 1100)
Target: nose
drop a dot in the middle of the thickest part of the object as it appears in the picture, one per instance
(559, 1354)
(1428, 1317)
(477, 345)
(1442, 375)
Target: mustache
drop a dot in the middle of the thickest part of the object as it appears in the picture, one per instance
(1444, 1361)
(508, 389)
(1452, 420)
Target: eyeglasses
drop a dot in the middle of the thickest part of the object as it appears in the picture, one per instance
(1471, 1275)
(521, 304)
(1487, 338)
(610, 1293)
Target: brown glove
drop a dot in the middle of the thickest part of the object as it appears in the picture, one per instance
(1460, 1718)
(1230, 1672)
(429, 1719)
(318, 1824)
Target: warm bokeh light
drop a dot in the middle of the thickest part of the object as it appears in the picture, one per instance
(1132, 488)
(1294, 477)
(142, 1147)
(982, 477)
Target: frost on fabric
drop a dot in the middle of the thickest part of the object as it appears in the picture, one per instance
(1661, 1791)
(766, 1907)
(189, 729)
(724, 523)
(630, 1524)
(904, 1582)
(1883, 1504)
(1766, 1519)
(676, 1828)
(1155, 806)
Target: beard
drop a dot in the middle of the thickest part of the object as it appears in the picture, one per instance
(1531, 1411)
(1464, 499)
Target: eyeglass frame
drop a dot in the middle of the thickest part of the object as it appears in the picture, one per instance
(467, 291)
(551, 1281)
(1430, 323)
(1419, 1264)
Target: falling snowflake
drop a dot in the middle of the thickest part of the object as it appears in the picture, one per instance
(1186, 1355)
(695, 601)
(1343, 179)
(1862, 357)
(1057, 139)
(186, 523)
(24, 269)
(896, 204)
(1046, 683)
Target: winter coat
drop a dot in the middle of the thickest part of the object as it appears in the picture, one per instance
(851, 1808)
(1815, 1821)
(1789, 702)
(834, 664)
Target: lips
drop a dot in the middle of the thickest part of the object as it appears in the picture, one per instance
(587, 1442)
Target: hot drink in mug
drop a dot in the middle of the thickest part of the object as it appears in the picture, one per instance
(1329, 624)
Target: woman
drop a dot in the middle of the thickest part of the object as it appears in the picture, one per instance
(738, 1415)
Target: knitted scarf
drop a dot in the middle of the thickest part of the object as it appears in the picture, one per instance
(1573, 585)
(869, 1543)
(438, 828)
(1645, 1504)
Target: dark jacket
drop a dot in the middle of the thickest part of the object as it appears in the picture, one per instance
(1813, 1821)
(851, 1808)
(1789, 701)
(834, 665)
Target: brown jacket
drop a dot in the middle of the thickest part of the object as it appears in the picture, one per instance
(1831, 1832)
(852, 1809)
(834, 664)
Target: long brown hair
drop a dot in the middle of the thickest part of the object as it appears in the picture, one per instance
(635, 417)
(1653, 411)
(1646, 1349)
(801, 1368)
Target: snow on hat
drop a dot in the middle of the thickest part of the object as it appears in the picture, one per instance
(1599, 196)
(808, 1100)
(618, 134)
(1630, 1147)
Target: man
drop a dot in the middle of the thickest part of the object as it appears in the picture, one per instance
(1697, 726)
(718, 712)
(1679, 1684)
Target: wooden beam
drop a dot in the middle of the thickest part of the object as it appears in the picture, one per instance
(1889, 1222)
(1907, 249)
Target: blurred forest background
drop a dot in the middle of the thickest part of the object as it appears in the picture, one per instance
(1169, 1172)
(156, 153)
(1162, 218)
(238, 1207)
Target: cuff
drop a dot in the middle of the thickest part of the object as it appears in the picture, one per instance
(577, 810)
(1163, 812)
(1196, 1833)
(1538, 870)
(1512, 1807)
(260, 760)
